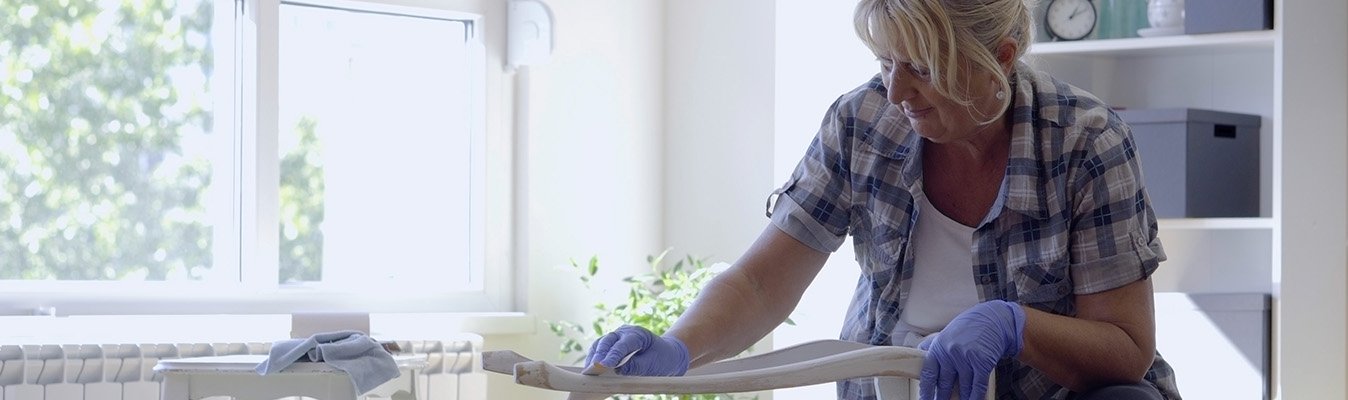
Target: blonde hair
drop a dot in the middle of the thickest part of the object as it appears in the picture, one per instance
(948, 37)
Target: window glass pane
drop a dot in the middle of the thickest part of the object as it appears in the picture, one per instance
(107, 149)
(374, 147)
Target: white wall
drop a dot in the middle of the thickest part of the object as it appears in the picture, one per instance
(747, 85)
(718, 126)
(819, 57)
(593, 187)
(718, 122)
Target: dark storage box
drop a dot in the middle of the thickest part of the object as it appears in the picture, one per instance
(1218, 343)
(1212, 16)
(1198, 163)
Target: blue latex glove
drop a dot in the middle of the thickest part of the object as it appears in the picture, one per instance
(968, 349)
(656, 355)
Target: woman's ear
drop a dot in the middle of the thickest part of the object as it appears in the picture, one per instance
(1006, 55)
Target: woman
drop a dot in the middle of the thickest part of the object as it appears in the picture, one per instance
(998, 216)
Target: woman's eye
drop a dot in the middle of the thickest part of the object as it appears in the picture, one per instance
(920, 72)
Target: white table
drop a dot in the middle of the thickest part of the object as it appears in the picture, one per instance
(233, 376)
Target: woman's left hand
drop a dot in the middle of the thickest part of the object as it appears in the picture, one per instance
(969, 348)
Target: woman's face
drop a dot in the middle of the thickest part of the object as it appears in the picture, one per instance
(933, 115)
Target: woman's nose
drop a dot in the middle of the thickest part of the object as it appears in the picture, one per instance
(899, 88)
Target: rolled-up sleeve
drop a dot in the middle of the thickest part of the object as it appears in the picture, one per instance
(813, 206)
(1114, 230)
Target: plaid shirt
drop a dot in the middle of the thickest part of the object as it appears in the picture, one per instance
(1072, 216)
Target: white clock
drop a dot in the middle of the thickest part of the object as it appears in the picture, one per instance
(1070, 19)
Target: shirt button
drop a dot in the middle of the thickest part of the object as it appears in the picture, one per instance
(985, 279)
(1063, 290)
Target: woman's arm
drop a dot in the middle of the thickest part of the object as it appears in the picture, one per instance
(1112, 339)
(744, 303)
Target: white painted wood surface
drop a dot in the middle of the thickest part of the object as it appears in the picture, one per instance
(1311, 203)
(817, 362)
(806, 364)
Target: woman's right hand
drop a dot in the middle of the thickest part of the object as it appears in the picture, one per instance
(655, 355)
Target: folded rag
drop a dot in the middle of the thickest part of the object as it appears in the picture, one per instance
(362, 358)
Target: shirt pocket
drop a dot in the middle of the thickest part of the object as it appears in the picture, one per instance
(1043, 283)
(882, 242)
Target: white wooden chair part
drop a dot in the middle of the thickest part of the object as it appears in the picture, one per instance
(805, 364)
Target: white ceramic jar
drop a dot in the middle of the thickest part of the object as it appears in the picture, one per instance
(1165, 13)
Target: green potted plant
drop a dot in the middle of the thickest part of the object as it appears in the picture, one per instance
(655, 299)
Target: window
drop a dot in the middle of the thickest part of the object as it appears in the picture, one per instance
(375, 135)
(146, 147)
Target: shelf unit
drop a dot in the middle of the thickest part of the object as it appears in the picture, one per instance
(1297, 250)
(1159, 45)
(1231, 72)
(1215, 223)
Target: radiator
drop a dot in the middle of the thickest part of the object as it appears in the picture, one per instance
(125, 371)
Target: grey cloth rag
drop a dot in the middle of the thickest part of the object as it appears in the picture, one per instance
(361, 357)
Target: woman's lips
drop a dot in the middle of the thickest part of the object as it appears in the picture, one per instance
(919, 113)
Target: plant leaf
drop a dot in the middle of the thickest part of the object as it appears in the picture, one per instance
(655, 299)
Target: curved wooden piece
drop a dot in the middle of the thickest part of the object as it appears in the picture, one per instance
(503, 361)
(783, 356)
(784, 370)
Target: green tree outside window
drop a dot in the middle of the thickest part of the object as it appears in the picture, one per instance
(98, 103)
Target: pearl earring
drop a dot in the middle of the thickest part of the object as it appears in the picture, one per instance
(1001, 95)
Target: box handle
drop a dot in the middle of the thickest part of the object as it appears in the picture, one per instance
(1224, 131)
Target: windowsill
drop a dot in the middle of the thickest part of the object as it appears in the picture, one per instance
(109, 329)
(485, 323)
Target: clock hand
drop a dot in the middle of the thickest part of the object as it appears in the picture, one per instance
(1075, 12)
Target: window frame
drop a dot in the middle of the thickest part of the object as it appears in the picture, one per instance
(251, 243)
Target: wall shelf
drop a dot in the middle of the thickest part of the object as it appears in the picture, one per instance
(1159, 45)
(1216, 223)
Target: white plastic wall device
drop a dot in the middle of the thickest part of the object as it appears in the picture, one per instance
(529, 38)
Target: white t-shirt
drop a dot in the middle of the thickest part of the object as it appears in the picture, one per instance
(943, 276)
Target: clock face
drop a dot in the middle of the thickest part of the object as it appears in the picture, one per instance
(1070, 19)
